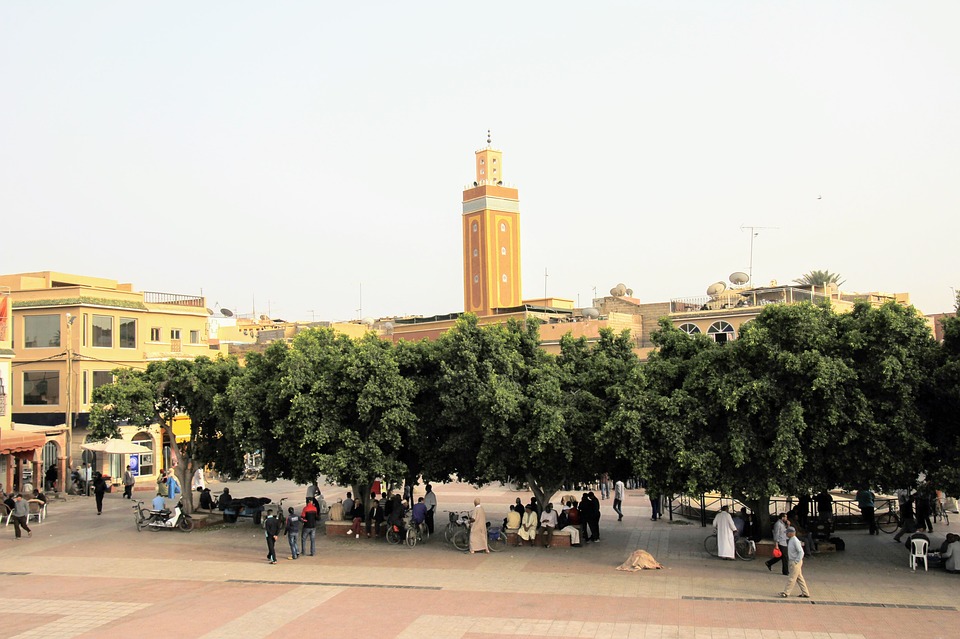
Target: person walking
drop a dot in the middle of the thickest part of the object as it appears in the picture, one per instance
(20, 513)
(293, 533)
(654, 506)
(128, 482)
(795, 561)
(271, 529)
(780, 537)
(618, 499)
(99, 488)
(867, 510)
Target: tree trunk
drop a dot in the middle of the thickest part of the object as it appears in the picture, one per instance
(181, 462)
(760, 507)
(542, 491)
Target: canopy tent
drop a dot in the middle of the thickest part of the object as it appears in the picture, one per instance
(13, 442)
(116, 447)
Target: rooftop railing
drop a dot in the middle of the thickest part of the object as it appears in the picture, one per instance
(733, 299)
(152, 297)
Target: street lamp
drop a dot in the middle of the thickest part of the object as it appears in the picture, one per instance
(69, 358)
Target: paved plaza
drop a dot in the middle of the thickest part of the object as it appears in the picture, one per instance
(81, 575)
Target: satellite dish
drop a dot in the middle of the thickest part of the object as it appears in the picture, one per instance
(629, 292)
(209, 311)
(591, 313)
(264, 318)
(716, 288)
(739, 278)
(226, 312)
(368, 321)
(388, 327)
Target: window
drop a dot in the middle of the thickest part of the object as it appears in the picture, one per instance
(41, 388)
(194, 337)
(689, 329)
(474, 227)
(503, 227)
(41, 331)
(155, 334)
(86, 329)
(101, 378)
(146, 458)
(128, 332)
(721, 332)
(102, 331)
(174, 333)
(86, 389)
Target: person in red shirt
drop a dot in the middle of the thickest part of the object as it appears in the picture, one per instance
(309, 517)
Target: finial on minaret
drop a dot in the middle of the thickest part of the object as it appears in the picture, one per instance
(488, 137)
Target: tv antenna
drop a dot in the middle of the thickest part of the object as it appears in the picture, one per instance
(754, 232)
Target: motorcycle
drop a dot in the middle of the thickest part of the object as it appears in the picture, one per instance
(176, 518)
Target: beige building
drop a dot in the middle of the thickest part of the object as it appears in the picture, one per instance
(67, 333)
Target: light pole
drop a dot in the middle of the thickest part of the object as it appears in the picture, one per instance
(69, 441)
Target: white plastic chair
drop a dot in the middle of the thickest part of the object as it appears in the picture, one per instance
(918, 551)
(36, 508)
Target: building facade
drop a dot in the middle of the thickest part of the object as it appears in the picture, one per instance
(67, 334)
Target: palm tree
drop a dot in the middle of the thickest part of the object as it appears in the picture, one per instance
(819, 278)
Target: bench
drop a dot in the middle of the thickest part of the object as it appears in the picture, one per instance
(561, 538)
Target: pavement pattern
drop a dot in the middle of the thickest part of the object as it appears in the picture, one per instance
(81, 575)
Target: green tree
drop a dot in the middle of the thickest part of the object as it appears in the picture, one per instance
(819, 278)
(158, 394)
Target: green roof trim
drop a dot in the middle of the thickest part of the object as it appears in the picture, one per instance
(7, 351)
(81, 301)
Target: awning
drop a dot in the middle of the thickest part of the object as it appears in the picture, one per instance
(116, 447)
(14, 442)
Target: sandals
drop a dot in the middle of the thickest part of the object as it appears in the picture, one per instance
(784, 595)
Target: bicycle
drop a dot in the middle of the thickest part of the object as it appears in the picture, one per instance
(417, 533)
(888, 522)
(941, 513)
(744, 549)
(458, 522)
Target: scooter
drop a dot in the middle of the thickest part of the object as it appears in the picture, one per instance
(176, 518)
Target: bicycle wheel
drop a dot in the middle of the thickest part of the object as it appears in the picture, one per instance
(424, 533)
(744, 550)
(451, 531)
(888, 522)
(461, 541)
(710, 545)
(498, 543)
(140, 522)
(411, 537)
(393, 536)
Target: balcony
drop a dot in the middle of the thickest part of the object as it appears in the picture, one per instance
(151, 297)
(747, 298)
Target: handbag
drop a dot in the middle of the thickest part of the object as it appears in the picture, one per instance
(777, 553)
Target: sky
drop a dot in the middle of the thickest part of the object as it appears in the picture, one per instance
(306, 160)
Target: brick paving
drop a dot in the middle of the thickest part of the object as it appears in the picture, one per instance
(87, 576)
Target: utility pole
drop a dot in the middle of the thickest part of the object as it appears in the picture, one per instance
(545, 283)
(754, 232)
(69, 357)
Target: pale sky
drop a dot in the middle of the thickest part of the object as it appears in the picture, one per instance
(289, 152)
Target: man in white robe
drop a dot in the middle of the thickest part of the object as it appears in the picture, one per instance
(528, 526)
(726, 530)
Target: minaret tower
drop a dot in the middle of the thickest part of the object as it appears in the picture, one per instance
(491, 238)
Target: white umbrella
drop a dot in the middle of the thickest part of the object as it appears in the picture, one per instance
(116, 447)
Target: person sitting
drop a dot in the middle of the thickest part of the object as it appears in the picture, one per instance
(740, 521)
(950, 553)
(395, 518)
(419, 512)
(158, 503)
(549, 522)
(206, 500)
(357, 517)
(348, 505)
(375, 518)
(511, 523)
(919, 534)
(226, 500)
(528, 526)
(573, 513)
(39, 496)
(563, 523)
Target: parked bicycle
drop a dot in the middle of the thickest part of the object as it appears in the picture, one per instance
(416, 533)
(744, 549)
(459, 522)
(888, 521)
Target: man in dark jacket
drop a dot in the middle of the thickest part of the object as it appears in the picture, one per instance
(271, 528)
(375, 518)
(309, 516)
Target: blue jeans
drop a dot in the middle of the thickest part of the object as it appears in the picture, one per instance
(312, 534)
(294, 538)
